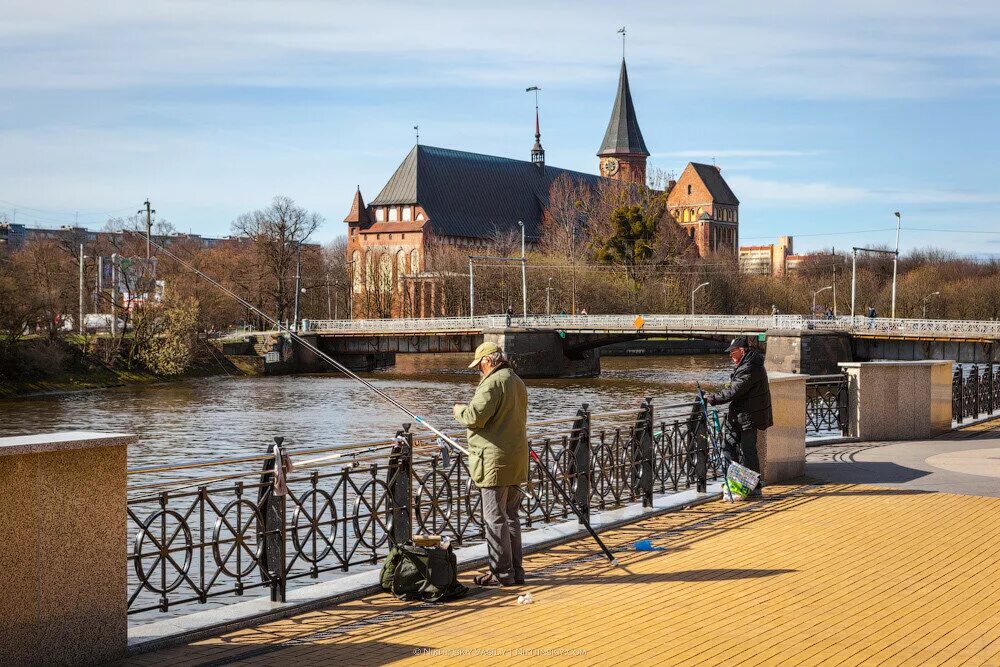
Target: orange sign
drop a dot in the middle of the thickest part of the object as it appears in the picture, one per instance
(639, 322)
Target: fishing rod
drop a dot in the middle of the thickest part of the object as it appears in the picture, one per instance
(312, 348)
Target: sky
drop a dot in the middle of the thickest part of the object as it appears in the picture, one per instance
(824, 117)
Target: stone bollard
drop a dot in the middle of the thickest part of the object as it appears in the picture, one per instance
(899, 400)
(782, 448)
(62, 518)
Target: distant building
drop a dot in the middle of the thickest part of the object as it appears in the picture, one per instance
(14, 236)
(450, 197)
(774, 259)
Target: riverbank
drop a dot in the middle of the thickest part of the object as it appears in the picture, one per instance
(60, 367)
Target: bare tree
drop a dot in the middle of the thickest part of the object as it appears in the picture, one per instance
(276, 232)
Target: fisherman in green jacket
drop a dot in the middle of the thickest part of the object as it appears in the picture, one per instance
(497, 420)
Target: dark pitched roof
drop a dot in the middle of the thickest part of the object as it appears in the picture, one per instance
(716, 184)
(471, 195)
(623, 135)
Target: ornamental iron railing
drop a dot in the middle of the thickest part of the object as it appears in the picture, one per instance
(975, 391)
(827, 405)
(203, 532)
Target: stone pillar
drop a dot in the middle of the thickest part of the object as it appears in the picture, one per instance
(899, 400)
(782, 448)
(542, 354)
(814, 352)
(62, 517)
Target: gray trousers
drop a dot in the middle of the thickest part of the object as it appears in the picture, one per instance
(501, 513)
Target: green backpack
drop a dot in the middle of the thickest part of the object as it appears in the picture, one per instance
(429, 574)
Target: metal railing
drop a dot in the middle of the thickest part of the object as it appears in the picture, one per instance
(975, 391)
(227, 532)
(827, 405)
(705, 324)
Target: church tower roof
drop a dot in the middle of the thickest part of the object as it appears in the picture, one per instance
(358, 212)
(623, 136)
(537, 152)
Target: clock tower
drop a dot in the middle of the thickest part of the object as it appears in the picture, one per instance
(623, 152)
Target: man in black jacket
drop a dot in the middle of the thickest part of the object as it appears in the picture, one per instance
(749, 399)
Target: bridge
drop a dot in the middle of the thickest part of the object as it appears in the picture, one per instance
(567, 345)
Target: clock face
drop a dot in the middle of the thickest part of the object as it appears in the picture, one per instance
(611, 166)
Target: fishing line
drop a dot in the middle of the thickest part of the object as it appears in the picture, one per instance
(309, 346)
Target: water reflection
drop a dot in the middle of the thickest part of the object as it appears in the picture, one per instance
(221, 417)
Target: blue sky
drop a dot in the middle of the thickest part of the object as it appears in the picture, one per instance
(825, 117)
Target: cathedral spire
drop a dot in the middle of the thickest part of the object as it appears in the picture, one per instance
(623, 152)
(537, 152)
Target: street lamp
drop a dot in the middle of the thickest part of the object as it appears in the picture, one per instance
(927, 298)
(524, 273)
(821, 289)
(895, 261)
(548, 290)
(692, 295)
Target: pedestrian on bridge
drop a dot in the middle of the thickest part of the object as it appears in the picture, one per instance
(510, 315)
(749, 398)
(497, 418)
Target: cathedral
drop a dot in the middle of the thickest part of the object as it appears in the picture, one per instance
(464, 199)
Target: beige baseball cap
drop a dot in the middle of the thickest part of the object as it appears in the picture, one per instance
(484, 350)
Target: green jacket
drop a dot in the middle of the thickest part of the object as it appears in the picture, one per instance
(497, 420)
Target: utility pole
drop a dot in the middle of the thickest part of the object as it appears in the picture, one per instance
(472, 294)
(833, 254)
(114, 295)
(895, 261)
(329, 310)
(82, 256)
(854, 280)
(149, 224)
(298, 282)
(524, 273)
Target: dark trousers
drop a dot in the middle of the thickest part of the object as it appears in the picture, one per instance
(501, 509)
(744, 449)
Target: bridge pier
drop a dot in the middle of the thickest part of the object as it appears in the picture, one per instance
(543, 354)
(807, 352)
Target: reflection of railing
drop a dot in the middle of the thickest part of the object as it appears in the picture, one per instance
(975, 391)
(230, 532)
(827, 411)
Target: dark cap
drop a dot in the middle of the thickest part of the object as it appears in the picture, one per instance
(739, 341)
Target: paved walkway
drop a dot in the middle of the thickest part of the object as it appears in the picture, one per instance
(815, 574)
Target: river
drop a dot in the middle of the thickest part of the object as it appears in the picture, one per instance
(221, 417)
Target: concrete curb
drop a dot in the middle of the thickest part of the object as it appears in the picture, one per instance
(201, 625)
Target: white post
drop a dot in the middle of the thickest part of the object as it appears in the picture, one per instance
(693, 293)
(524, 274)
(298, 280)
(472, 294)
(895, 261)
(854, 280)
(80, 327)
(114, 294)
(548, 290)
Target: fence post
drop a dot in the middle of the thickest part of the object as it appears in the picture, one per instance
(401, 486)
(582, 460)
(958, 394)
(991, 399)
(272, 507)
(974, 381)
(646, 454)
(843, 405)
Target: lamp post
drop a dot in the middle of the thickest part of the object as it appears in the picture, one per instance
(548, 290)
(82, 257)
(895, 261)
(524, 273)
(472, 294)
(925, 299)
(693, 293)
(298, 284)
(821, 289)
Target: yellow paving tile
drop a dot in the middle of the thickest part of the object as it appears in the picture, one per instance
(814, 575)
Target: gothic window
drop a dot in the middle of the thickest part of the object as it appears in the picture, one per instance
(393, 214)
(420, 216)
(400, 268)
(414, 262)
(358, 270)
(407, 213)
(689, 188)
(379, 214)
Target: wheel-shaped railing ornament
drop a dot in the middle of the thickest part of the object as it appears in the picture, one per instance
(316, 514)
(434, 502)
(171, 525)
(373, 497)
(239, 535)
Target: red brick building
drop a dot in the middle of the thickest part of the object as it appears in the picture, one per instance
(464, 199)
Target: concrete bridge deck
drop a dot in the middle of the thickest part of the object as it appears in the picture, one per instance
(817, 573)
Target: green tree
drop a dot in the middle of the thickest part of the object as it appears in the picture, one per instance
(165, 335)
(632, 240)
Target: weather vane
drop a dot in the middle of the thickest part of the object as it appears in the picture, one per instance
(416, 128)
(621, 31)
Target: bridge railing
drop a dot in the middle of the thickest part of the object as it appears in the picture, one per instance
(722, 324)
(975, 391)
(222, 530)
